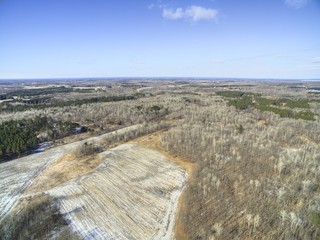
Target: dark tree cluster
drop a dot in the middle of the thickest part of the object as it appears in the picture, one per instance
(281, 106)
(19, 137)
(16, 138)
(37, 92)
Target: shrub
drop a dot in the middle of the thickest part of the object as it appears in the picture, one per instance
(240, 129)
(242, 103)
(315, 218)
(87, 149)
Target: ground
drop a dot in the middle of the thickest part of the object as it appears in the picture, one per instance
(134, 187)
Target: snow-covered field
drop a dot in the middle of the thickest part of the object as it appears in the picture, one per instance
(132, 194)
(17, 175)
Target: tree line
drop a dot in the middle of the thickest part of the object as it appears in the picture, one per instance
(7, 107)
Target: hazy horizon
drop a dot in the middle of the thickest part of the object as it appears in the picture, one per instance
(160, 78)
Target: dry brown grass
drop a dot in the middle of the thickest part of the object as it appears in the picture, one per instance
(180, 232)
(63, 170)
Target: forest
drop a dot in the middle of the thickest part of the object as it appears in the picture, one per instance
(281, 106)
(17, 137)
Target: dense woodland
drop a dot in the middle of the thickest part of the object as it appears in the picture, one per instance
(256, 175)
(281, 106)
(20, 136)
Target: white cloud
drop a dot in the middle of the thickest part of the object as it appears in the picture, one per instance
(199, 13)
(173, 14)
(193, 13)
(296, 4)
(156, 4)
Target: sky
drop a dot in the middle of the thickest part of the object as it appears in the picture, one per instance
(277, 39)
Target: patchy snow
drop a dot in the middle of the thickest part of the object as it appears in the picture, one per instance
(17, 175)
(133, 194)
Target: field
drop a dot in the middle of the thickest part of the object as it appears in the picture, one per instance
(134, 190)
(164, 159)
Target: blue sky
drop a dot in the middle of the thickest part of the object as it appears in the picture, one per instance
(182, 38)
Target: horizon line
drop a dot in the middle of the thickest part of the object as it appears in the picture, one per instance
(156, 78)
